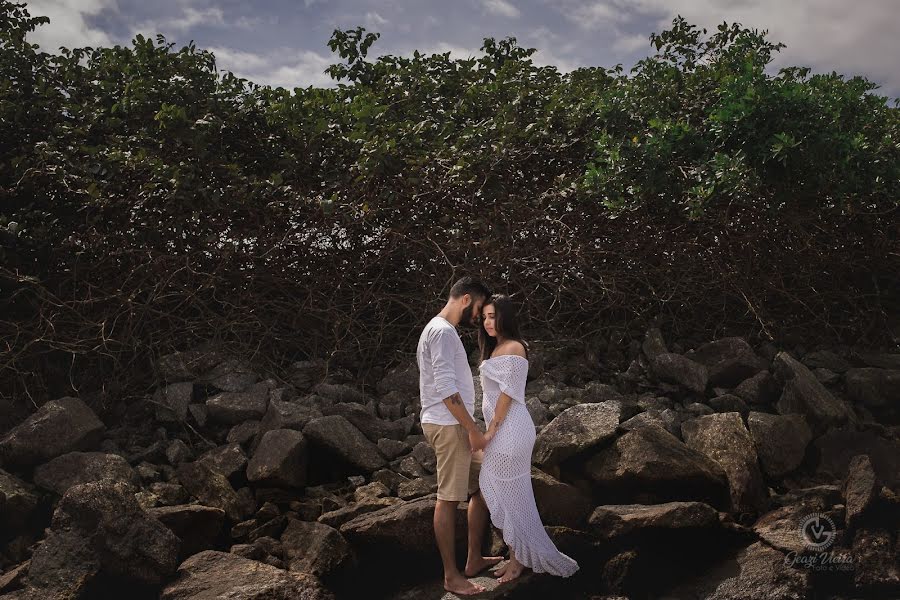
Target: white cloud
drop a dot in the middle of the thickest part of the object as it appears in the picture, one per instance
(190, 17)
(286, 68)
(68, 25)
(501, 7)
(374, 21)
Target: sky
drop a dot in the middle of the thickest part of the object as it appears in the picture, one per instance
(284, 42)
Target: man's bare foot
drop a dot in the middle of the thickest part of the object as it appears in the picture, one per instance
(479, 564)
(462, 586)
(511, 571)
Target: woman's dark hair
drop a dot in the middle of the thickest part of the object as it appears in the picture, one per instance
(506, 324)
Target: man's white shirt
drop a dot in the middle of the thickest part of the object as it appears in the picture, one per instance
(443, 371)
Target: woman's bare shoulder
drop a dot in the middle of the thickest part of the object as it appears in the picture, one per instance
(513, 347)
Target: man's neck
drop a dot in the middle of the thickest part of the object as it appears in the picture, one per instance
(447, 315)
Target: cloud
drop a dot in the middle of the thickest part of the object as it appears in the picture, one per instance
(68, 25)
(287, 68)
(501, 8)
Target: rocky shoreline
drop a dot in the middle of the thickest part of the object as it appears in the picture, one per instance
(689, 474)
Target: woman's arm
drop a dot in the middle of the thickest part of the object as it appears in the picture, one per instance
(503, 404)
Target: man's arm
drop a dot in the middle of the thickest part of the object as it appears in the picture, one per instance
(445, 383)
(458, 409)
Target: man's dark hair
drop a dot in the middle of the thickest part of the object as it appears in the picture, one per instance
(469, 285)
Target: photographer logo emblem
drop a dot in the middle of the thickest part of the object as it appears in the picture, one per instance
(817, 532)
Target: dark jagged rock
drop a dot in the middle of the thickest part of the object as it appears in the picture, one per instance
(860, 489)
(371, 426)
(872, 387)
(674, 368)
(232, 408)
(211, 489)
(73, 468)
(280, 459)
(728, 361)
(668, 419)
(172, 401)
(876, 563)
(17, 502)
(59, 426)
(619, 520)
(338, 436)
(315, 548)
(762, 388)
(780, 441)
(804, 394)
(838, 447)
(576, 430)
(228, 460)
(197, 526)
(559, 503)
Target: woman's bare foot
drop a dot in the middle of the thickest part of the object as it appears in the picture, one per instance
(501, 570)
(461, 586)
(512, 570)
(479, 564)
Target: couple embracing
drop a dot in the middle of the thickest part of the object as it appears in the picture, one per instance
(492, 470)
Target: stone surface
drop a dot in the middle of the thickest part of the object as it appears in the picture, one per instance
(315, 548)
(17, 502)
(576, 430)
(559, 503)
(674, 368)
(838, 447)
(212, 575)
(804, 394)
(876, 563)
(860, 489)
(228, 460)
(280, 460)
(57, 427)
(197, 526)
(872, 387)
(371, 426)
(172, 401)
(74, 468)
(618, 520)
(231, 408)
(211, 489)
(337, 436)
(762, 388)
(723, 438)
(780, 440)
(728, 361)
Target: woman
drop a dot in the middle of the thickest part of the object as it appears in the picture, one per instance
(505, 477)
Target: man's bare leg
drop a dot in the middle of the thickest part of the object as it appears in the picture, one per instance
(445, 534)
(478, 519)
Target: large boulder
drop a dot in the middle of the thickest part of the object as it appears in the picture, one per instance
(17, 503)
(620, 520)
(876, 563)
(762, 388)
(649, 465)
(723, 438)
(576, 430)
(675, 368)
(728, 361)
(280, 460)
(780, 440)
(315, 548)
(872, 387)
(860, 490)
(804, 394)
(286, 415)
(232, 408)
(403, 379)
(837, 448)
(99, 527)
(371, 426)
(558, 503)
(198, 527)
(188, 365)
(212, 575)
(338, 437)
(211, 488)
(172, 401)
(228, 460)
(74, 468)
(57, 427)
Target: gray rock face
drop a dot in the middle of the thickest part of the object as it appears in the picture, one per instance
(232, 408)
(723, 438)
(804, 394)
(172, 401)
(837, 448)
(371, 426)
(228, 460)
(57, 427)
(860, 490)
(674, 368)
(17, 502)
(558, 503)
(872, 387)
(403, 379)
(825, 359)
(338, 436)
(393, 448)
(74, 468)
(654, 344)
(576, 430)
(728, 361)
(315, 548)
(114, 533)
(198, 527)
(877, 570)
(211, 488)
(729, 403)
(336, 518)
(762, 388)
(339, 392)
(404, 529)
(667, 418)
(618, 520)
(780, 441)
(287, 415)
(212, 575)
(280, 460)
(650, 463)
(416, 488)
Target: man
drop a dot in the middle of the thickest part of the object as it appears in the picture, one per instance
(447, 393)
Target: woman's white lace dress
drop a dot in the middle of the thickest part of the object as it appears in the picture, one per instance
(506, 471)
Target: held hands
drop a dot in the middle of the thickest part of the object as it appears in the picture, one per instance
(477, 440)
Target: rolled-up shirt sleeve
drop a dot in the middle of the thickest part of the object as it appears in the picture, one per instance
(443, 352)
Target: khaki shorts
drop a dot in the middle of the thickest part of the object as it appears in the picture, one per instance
(457, 467)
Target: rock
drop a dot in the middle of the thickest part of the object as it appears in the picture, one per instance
(231, 375)
(172, 401)
(231, 408)
(650, 463)
(729, 403)
(780, 440)
(674, 368)
(188, 365)
(305, 373)
(424, 453)
(613, 521)
(316, 549)
(198, 527)
(57, 427)
(409, 467)
(339, 437)
(389, 478)
(762, 388)
(576, 430)
(243, 432)
(228, 460)
(17, 503)
(371, 426)
(63, 566)
(340, 393)
(757, 572)
(804, 394)
(285, 415)
(781, 528)
(280, 460)
(558, 503)
(601, 392)
(416, 488)
(212, 575)
(825, 359)
(200, 413)
(402, 530)
(667, 418)
(99, 525)
(723, 438)
(537, 410)
(880, 360)
(178, 452)
(371, 491)
(169, 494)
(336, 518)
(838, 447)
(874, 388)
(876, 568)
(211, 489)
(403, 379)
(74, 468)
(728, 361)
(860, 490)
(654, 344)
(393, 448)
